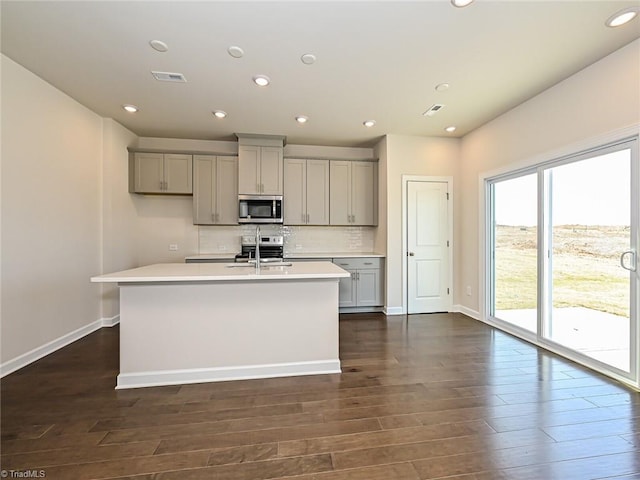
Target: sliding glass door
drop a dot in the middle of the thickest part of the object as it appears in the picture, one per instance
(515, 251)
(562, 256)
(588, 229)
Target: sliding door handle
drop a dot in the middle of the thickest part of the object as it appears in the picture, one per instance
(632, 267)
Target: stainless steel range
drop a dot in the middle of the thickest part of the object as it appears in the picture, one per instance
(271, 248)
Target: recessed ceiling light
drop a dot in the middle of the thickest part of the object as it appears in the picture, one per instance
(461, 3)
(302, 119)
(261, 80)
(621, 17)
(159, 45)
(130, 108)
(442, 87)
(308, 58)
(219, 113)
(235, 51)
(450, 129)
(369, 123)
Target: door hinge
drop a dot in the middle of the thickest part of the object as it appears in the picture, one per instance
(447, 195)
(447, 243)
(447, 291)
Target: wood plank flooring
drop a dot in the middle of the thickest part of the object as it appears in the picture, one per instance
(420, 397)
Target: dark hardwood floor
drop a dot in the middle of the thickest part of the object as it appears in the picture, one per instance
(423, 397)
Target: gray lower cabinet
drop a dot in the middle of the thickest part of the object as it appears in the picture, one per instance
(364, 287)
(215, 190)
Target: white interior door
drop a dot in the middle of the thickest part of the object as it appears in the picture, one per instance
(428, 247)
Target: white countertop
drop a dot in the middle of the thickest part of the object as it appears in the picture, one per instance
(291, 256)
(216, 272)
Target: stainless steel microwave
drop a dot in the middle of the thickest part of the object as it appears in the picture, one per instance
(260, 209)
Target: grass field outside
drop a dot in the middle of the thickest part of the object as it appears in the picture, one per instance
(586, 268)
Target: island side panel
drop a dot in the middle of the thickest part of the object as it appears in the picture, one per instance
(194, 332)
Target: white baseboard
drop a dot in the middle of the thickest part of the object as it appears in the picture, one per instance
(110, 322)
(467, 311)
(203, 375)
(393, 311)
(25, 359)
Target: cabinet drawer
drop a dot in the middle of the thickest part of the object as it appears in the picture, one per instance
(358, 263)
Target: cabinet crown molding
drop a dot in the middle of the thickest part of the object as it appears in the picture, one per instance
(261, 140)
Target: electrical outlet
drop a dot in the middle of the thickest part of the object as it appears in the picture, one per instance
(173, 247)
(298, 246)
(222, 248)
(468, 290)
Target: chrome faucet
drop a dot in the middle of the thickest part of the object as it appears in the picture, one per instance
(257, 256)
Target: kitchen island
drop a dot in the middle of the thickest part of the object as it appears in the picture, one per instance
(205, 322)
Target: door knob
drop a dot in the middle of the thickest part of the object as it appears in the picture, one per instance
(411, 254)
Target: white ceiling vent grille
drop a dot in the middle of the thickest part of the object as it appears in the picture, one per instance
(169, 77)
(433, 109)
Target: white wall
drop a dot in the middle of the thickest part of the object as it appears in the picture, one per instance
(410, 155)
(51, 203)
(119, 216)
(602, 98)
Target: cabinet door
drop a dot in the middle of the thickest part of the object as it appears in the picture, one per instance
(347, 290)
(248, 169)
(295, 191)
(368, 288)
(178, 173)
(271, 167)
(318, 192)
(226, 191)
(340, 193)
(363, 201)
(148, 172)
(204, 179)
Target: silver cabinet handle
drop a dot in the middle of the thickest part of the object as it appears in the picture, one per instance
(632, 267)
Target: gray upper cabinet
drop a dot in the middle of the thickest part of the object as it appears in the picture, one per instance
(353, 193)
(260, 170)
(164, 173)
(215, 190)
(306, 192)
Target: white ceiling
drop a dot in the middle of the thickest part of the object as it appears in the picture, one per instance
(377, 60)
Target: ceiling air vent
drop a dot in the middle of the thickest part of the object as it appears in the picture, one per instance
(169, 77)
(433, 109)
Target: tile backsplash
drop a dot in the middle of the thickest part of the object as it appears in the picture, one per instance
(297, 239)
